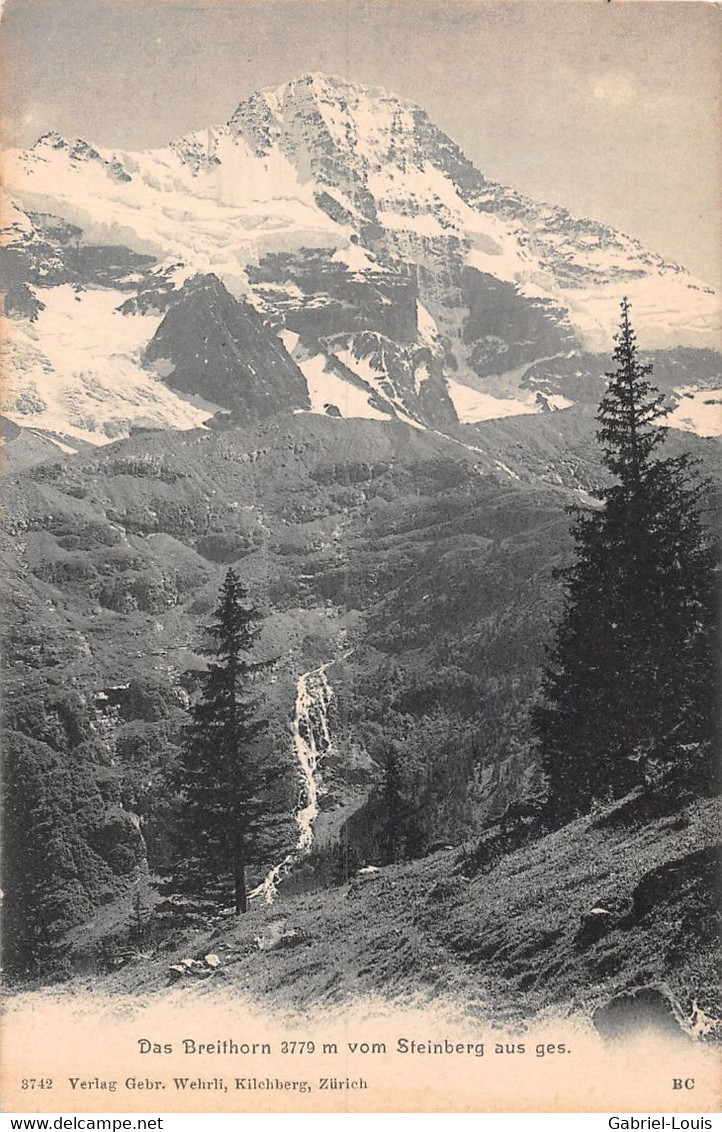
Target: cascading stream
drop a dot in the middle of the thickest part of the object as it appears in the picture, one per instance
(311, 742)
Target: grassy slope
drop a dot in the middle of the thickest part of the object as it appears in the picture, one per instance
(507, 944)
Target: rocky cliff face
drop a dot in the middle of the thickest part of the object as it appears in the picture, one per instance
(211, 345)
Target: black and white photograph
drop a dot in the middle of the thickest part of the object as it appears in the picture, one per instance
(361, 395)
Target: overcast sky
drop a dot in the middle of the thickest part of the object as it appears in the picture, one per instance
(612, 109)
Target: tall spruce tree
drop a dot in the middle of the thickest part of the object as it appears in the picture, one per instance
(221, 777)
(629, 688)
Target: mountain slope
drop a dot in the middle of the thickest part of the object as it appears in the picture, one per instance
(511, 943)
(420, 565)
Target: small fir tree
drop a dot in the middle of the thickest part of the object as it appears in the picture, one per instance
(393, 808)
(399, 833)
(221, 777)
(630, 683)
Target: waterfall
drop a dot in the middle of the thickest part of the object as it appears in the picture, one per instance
(311, 742)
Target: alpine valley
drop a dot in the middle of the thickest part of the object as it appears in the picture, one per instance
(317, 344)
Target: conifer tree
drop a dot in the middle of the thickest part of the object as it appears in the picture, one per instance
(629, 687)
(393, 808)
(399, 833)
(221, 777)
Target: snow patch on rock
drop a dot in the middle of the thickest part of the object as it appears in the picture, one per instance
(697, 410)
(82, 360)
(327, 388)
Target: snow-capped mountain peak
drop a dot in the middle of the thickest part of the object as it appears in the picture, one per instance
(50, 140)
(339, 213)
